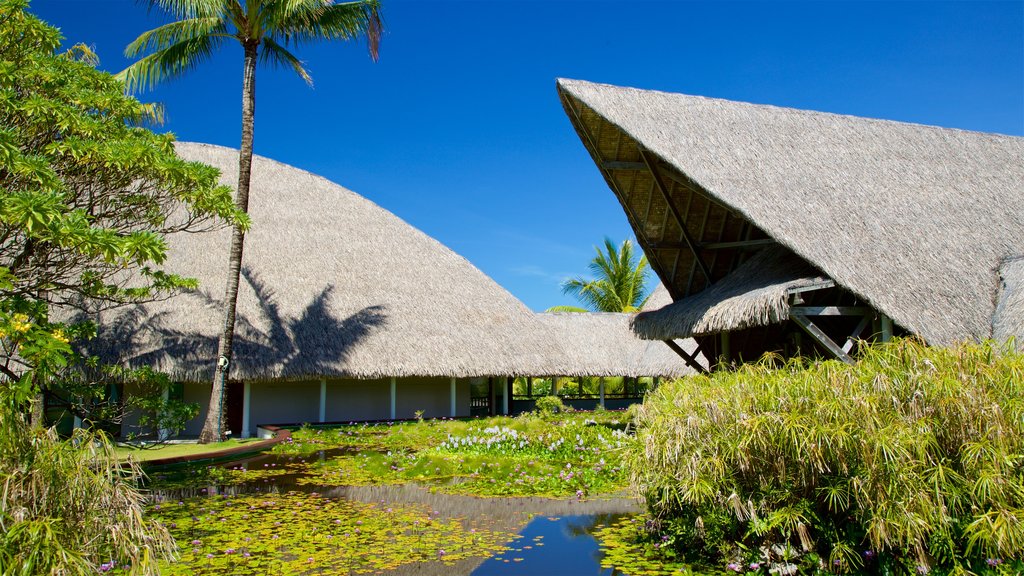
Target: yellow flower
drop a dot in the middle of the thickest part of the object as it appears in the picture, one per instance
(59, 335)
(20, 323)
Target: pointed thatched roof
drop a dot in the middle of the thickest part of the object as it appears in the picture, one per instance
(755, 294)
(333, 285)
(912, 219)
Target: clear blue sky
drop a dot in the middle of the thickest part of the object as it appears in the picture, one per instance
(458, 129)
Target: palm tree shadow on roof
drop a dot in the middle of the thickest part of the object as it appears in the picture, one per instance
(269, 345)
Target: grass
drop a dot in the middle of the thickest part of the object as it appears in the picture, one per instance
(145, 454)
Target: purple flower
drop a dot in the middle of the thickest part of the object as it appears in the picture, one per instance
(105, 567)
(755, 566)
(209, 555)
(229, 551)
(869, 554)
(734, 567)
(197, 542)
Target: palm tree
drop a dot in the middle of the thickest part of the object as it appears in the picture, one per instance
(619, 283)
(265, 29)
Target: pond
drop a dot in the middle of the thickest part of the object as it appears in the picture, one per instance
(307, 508)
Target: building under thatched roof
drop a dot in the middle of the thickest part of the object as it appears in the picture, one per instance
(336, 293)
(869, 220)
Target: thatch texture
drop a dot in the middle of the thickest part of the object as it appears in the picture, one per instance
(912, 219)
(602, 344)
(333, 286)
(755, 294)
(1008, 321)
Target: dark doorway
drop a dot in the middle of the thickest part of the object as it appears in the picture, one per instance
(234, 397)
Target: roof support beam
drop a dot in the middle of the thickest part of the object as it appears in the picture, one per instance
(829, 311)
(852, 338)
(660, 184)
(691, 359)
(820, 337)
(620, 165)
(740, 244)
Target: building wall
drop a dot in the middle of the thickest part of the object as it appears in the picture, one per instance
(280, 402)
(296, 402)
(200, 394)
(358, 400)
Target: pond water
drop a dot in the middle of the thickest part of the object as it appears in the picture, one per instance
(541, 535)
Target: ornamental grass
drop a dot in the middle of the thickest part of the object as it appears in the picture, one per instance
(911, 460)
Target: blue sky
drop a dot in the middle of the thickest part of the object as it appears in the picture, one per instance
(458, 129)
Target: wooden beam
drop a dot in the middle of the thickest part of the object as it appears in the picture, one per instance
(741, 244)
(690, 359)
(852, 338)
(650, 161)
(817, 286)
(621, 165)
(821, 337)
(829, 311)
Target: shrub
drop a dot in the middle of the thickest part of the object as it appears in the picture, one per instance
(911, 459)
(550, 405)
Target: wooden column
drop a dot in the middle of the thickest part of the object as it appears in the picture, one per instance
(600, 387)
(505, 393)
(492, 409)
(529, 386)
(394, 397)
(163, 433)
(323, 400)
(886, 328)
(453, 398)
(246, 401)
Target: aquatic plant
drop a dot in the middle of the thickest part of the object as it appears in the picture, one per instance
(297, 533)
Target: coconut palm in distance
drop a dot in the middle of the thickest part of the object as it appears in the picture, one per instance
(619, 283)
(266, 29)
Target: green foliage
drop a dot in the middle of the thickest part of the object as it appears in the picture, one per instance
(68, 506)
(910, 460)
(619, 283)
(85, 191)
(296, 533)
(523, 456)
(549, 405)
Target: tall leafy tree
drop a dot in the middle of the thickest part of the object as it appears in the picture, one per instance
(619, 283)
(265, 29)
(86, 195)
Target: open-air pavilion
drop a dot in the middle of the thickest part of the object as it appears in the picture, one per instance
(345, 312)
(786, 230)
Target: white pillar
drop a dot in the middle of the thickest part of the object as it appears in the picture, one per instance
(394, 396)
(246, 399)
(323, 400)
(504, 397)
(453, 397)
(78, 423)
(600, 387)
(164, 433)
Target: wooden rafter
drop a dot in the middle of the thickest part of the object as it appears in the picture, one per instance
(820, 337)
(660, 184)
(690, 359)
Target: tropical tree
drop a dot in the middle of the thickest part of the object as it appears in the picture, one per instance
(86, 196)
(265, 29)
(619, 283)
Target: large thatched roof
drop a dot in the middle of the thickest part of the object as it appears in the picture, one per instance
(602, 344)
(333, 285)
(914, 220)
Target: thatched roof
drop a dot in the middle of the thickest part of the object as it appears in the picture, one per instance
(1008, 321)
(333, 285)
(755, 294)
(602, 344)
(912, 219)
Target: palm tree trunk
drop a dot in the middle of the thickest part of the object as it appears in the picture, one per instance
(213, 428)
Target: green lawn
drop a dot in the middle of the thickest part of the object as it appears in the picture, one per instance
(182, 449)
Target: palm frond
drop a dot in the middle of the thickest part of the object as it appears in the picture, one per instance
(311, 20)
(176, 32)
(169, 63)
(189, 8)
(277, 55)
(619, 280)
(563, 309)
